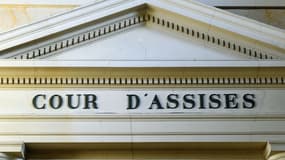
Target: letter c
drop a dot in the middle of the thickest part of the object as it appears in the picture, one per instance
(35, 101)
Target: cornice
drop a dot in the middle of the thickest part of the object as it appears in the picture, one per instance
(87, 77)
(82, 38)
(64, 21)
(225, 20)
(135, 20)
(149, 82)
(193, 10)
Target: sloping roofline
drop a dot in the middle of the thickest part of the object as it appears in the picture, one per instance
(102, 8)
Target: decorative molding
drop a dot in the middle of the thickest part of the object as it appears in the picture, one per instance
(73, 18)
(225, 20)
(192, 10)
(82, 38)
(132, 21)
(227, 44)
(143, 82)
(141, 77)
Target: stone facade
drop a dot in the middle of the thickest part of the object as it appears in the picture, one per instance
(140, 79)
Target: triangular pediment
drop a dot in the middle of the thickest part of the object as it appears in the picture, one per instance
(145, 31)
(147, 43)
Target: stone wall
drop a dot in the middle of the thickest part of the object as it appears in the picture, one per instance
(12, 16)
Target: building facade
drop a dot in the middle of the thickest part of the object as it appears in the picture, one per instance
(142, 79)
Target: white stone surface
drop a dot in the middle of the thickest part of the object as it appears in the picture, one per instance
(208, 15)
(138, 48)
(148, 44)
(110, 101)
(13, 16)
(140, 63)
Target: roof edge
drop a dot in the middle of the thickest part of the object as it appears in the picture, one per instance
(61, 22)
(222, 19)
(101, 8)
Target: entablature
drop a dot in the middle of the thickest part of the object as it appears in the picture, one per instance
(186, 74)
